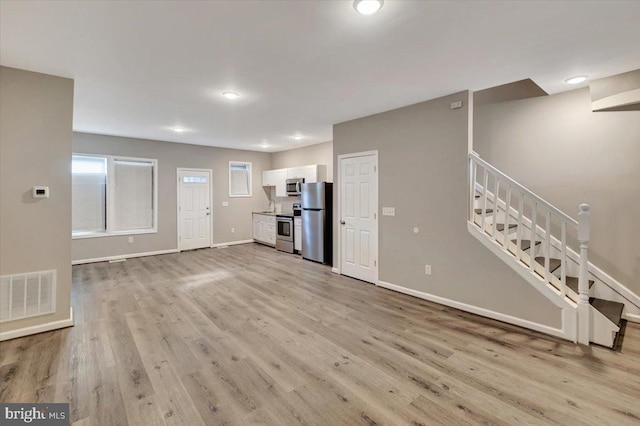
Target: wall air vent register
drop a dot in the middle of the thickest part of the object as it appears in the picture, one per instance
(27, 295)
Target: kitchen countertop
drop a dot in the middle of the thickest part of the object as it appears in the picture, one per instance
(287, 214)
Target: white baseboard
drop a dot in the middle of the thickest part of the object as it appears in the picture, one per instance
(632, 317)
(231, 243)
(335, 271)
(123, 256)
(478, 310)
(41, 328)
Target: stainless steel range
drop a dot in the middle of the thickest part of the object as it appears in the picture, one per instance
(284, 233)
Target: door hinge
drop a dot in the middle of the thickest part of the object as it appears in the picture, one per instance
(375, 263)
(375, 169)
(375, 215)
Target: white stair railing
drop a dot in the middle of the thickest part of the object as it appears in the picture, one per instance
(503, 201)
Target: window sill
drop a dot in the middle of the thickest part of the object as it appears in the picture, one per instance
(240, 196)
(113, 234)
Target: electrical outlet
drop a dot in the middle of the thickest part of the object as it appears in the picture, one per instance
(456, 105)
(388, 211)
(233, 230)
(130, 240)
(427, 269)
(225, 204)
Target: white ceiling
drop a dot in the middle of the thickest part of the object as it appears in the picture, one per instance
(141, 68)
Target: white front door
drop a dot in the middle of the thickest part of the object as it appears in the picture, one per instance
(194, 209)
(359, 216)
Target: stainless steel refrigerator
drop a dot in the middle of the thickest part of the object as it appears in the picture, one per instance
(317, 233)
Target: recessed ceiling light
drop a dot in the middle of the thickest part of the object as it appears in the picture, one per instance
(231, 95)
(367, 7)
(178, 129)
(576, 80)
(297, 137)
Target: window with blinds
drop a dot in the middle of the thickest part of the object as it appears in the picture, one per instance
(239, 179)
(133, 195)
(113, 195)
(88, 195)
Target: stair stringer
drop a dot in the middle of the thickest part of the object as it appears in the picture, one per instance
(605, 287)
(569, 314)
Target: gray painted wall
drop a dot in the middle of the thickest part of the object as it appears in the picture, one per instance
(568, 155)
(35, 149)
(315, 154)
(171, 156)
(423, 174)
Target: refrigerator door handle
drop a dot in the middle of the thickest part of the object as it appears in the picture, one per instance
(342, 222)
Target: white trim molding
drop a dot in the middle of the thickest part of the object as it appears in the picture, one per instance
(231, 243)
(123, 256)
(632, 317)
(35, 329)
(335, 270)
(557, 332)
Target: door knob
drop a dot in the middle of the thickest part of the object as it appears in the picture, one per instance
(342, 222)
(208, 213)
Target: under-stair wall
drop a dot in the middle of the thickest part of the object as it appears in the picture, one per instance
(535, 239)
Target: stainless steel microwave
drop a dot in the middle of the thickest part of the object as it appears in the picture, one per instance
(294, 186)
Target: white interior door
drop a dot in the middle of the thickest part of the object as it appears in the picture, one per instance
(358, 217)
(194, 209)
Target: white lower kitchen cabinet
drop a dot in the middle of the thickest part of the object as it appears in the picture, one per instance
(264, 228)
(297, 234)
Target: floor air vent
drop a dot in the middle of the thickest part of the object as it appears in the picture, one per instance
(27, 295)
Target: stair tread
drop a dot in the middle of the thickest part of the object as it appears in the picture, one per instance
(525, 244)
(610, 309)
(500, 226)
(572, 283)
(479, 211)
(553, 262)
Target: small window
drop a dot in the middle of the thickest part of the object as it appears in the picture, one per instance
(239, 179)
(194, 179)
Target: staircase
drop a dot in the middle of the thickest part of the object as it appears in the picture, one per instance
(549, 249)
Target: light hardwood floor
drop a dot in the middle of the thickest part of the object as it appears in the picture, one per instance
(248, 335)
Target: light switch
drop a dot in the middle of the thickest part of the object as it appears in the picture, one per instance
(388, 211)
(225, 204)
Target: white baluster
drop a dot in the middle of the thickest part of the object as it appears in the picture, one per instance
(496, 192)
(473, 172)
(584, 231)
(534, 223)
(519, 229)
(547, 243)
(484, 199)
(563, 258)
(507, 211)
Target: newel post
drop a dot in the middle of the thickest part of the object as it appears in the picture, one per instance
(584, 231)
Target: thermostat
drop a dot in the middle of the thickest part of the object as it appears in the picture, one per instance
(40, 192)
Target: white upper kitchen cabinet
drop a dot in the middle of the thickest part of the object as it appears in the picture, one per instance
(311, 174)
(280, 182)
(277, 178)
(268, 178)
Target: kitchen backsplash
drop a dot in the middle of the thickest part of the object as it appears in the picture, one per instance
(283, 204)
